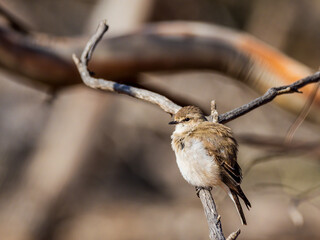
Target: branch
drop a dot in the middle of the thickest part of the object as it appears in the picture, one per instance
(170, 46)
(170, 107)
(213, 219)
(271, 94)
(164, 103)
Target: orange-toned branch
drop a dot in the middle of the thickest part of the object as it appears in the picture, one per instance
(170, 46)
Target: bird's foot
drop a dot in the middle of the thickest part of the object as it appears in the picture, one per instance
(200, 188)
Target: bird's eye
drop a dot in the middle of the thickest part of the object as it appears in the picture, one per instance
(186, 119)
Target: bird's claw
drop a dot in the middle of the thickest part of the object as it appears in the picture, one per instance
(198, 189)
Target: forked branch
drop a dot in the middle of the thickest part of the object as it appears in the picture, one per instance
(166, 104)
(170, 107)
(82, 65)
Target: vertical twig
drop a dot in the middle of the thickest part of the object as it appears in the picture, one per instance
(207, 201)
(213, 219)
(210, 210)
(214, 113)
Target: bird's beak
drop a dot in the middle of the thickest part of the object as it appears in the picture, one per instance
(173, 122)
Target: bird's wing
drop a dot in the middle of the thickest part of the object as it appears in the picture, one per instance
(220, 144)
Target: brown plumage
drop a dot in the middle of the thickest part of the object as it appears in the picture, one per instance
(206, 154)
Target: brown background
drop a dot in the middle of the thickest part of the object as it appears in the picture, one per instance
(122, 181)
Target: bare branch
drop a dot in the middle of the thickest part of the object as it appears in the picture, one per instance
(167, 105)
(170, 107)
(179, 99)
(268, 97)
(213, 219)
(171, 46)
(163, 102)
(92, 43)
(214, 113)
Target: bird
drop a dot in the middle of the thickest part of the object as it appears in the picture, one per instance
(206, 154)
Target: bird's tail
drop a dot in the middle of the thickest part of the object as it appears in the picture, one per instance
(235, 194)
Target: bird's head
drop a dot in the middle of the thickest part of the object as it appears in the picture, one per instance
(188, 115)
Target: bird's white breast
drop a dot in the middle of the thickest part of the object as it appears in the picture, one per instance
(196, 166)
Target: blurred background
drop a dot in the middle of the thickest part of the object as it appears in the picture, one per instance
(84, 164)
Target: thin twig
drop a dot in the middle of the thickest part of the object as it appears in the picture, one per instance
(234, 235)
(271, 94)
(214, 113)
(163, 102)
(213, 219)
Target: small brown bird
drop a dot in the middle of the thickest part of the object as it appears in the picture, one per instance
(206, 154)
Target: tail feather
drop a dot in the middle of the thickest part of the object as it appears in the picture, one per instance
(236, 201)
(243, 197)
(234, 193)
